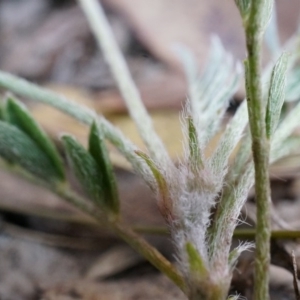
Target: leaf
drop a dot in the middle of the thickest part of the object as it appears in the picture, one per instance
(195, 155)
(98, 151)
(235, 253)
(17, 114)
(230, 138)
(161, 182)
(85, 168)
(18, 148)
(209, 94)
(272, 35)
(290, 146)
(266, 14)
(196, 262)
(276, 94)
(241, 158)
(165, 206)
(243, 6)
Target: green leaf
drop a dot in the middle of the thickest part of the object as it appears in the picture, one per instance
(161, 182)
(290, 146)
(196, 262)
(243, 6)
(18, 148)
(271, 36)
(233, 257)
(276, 94)
(165, 205)
(85, 169)
(229, 140)
(98, 151)
(265, 14)
(17, 114)
(209, 94)
(195, 154)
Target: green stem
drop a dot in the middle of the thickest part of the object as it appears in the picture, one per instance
(150, 253)
(260, 149)
(138, 228)
(230, 203)
(124, 232)
(128, 235)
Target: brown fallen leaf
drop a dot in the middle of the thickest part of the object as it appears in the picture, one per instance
(32, 54)
(160, 24)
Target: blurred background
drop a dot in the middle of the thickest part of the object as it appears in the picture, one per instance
(49, 250)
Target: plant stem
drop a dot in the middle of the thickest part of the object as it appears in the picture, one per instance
(260, 149)
(115, 224)
(115, 59)
(124, 232)
(150, 253)
(128, 235)
(138, 228)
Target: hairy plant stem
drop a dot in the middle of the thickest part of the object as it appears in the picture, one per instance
(260, 149)
(116, 61)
